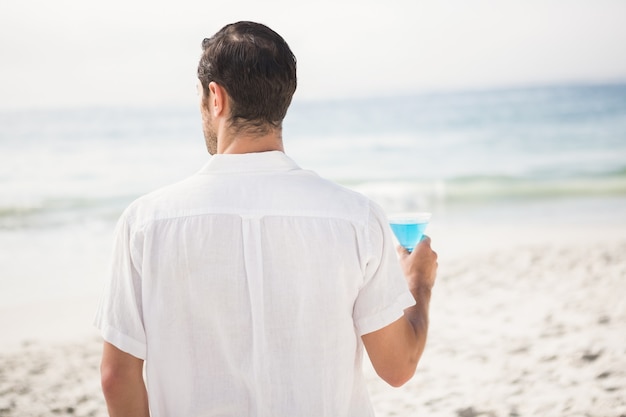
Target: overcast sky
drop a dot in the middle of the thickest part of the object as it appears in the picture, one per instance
(138, 52)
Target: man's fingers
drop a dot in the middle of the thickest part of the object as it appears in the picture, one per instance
(402, 251)
(424, 241)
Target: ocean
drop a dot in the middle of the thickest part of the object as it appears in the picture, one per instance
(552, 153)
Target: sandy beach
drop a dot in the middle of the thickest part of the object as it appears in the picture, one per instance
(530, 326)
(535, 330)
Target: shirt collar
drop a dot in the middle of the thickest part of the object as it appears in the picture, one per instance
(270, 161)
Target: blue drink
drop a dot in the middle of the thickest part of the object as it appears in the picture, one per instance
(409, 229)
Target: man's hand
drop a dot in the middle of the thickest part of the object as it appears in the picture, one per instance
(419, 266)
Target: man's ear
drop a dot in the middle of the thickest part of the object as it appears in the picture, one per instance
(218, 99)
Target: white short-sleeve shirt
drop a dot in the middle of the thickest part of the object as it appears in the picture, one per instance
(246, 288)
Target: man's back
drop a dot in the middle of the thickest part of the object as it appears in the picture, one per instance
(252, 283)
(251, 288)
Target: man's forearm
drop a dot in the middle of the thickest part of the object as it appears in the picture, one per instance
(122, 383)
(420, 271)
(128, 399)
(418, 316)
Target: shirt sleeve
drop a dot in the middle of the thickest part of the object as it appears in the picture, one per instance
(385, 293)
(119, 317)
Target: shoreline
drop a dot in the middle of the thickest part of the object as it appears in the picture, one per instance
(67, 317)
(56, 321)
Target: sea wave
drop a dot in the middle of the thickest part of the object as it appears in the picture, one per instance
(45, 213)
(425, 194)
(393, 195)
(493, 187)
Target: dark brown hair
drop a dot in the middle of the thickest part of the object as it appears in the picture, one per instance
(256, 68)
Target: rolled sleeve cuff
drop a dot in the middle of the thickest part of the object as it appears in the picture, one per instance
(385, 317)
(122, 342)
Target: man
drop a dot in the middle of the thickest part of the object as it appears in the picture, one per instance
(251, 288)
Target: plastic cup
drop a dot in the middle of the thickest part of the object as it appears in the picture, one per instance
(409, 228)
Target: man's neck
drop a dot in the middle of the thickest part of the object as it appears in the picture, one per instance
(249, 143)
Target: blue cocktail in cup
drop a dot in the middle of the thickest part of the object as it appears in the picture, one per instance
(409, 228)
